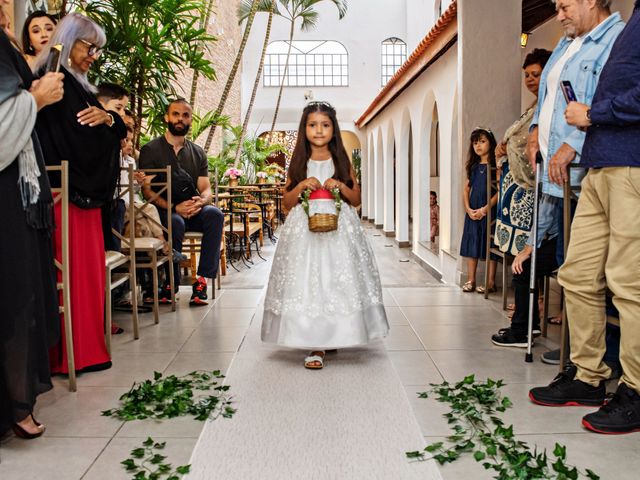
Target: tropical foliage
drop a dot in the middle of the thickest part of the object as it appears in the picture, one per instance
(148, 44)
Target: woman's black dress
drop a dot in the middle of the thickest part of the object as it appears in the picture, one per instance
(29, 320)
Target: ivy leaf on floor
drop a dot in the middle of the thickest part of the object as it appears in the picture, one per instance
(198, 394)
(478, 428)
(151, 465)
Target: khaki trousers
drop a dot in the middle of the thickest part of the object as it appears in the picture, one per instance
(604, 251)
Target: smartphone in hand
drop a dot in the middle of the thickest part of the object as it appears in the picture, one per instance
(54, 59)
(568, 92)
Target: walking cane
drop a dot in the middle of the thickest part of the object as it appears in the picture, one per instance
(532, 275)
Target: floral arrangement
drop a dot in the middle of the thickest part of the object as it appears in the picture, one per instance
(306, 194)
(233, 173)
(261, 175)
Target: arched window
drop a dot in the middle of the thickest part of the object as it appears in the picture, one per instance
(311, 64)
(394, 54)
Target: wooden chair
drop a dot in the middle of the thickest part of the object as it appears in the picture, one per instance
(114, 260)
(152, 248)
(493, 185)
(245, 229)
(61, 195)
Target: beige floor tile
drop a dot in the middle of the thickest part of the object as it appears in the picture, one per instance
(422, 297)
(229, 316)
(395, 316)
(127, 368)
(77, 414)
(49, 457)
(501, 363)
(402, 337)
(220, 339)
(457, 337)
(415, 367)
(180, 427)
(162, 339)
(387, 298)
(184, 362)
(107, 466)
(241, 298)
(454, 315)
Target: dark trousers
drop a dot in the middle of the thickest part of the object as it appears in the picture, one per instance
(209, 222)
(545, 264)
(113, 218)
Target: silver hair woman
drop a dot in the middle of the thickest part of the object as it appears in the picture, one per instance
(80, 131)
(82, 40)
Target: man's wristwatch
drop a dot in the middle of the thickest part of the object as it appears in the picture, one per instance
(588, 114)
(110, 124)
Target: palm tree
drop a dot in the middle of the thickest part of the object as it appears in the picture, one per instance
(234, 70)
(243, 12)
(204, 21)
(294, 10)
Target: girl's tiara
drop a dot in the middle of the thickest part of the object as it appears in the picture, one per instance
(320, 104)
(484, 129)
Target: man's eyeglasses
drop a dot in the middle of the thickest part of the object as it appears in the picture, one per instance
(92, 50)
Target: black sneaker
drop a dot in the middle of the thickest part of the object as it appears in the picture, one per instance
(199, 295)
(566, 391)
(506, 338)
(165, 294)
(619, 415)
(536, 331)
(552, 357)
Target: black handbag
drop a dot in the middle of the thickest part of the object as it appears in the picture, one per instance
(182, 185)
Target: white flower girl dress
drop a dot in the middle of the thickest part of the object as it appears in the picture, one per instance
(324, 289)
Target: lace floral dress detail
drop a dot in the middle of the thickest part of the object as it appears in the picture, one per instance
(324, 290)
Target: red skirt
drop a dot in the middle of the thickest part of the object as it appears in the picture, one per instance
(87, 278)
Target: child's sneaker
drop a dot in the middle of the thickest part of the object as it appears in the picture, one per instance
(199, 295)
(165, 294)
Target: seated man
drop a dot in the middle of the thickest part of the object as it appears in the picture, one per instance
(516, 335)
(191, 195)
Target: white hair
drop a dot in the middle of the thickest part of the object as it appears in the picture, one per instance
(73, 27)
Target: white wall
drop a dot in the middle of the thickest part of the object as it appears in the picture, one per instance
(361, 31)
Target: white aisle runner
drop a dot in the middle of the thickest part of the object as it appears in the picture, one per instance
(350, 420)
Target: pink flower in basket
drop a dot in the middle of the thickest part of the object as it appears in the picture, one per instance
(261, 175)
(233, 173)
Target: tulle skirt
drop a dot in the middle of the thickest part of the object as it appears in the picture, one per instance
(324, 290)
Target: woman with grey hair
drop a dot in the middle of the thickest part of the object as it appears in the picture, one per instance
(79, 130)
(29, 323)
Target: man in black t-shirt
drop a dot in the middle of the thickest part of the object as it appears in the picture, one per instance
(194, 213)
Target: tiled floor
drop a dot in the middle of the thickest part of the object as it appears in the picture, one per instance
(437, 333)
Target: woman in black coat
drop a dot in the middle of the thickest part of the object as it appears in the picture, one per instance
(29, 323)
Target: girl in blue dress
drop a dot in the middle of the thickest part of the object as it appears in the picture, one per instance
(474, 237)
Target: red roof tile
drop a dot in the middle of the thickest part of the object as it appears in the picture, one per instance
(405, 73)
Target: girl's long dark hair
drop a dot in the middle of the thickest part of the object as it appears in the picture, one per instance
(302, 151)
(473, 158)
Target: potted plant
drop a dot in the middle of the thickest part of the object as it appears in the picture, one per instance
(233, 174)
(262, 177)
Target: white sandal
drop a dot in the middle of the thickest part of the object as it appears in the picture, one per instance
(310, 361)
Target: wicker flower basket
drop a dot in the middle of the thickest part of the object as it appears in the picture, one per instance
(323, 213)
(322, 222)
(233, 182)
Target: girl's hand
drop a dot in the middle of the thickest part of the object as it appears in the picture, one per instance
(311, 183)
(94, 116)
(482, 211)
(332, 183)
(139, 177)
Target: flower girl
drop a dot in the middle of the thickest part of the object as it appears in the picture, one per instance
(324, 289)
